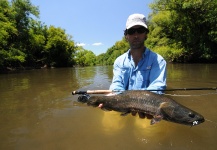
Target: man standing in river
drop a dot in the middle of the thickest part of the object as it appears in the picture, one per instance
(139, 68)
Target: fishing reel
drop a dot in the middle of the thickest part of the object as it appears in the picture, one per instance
(83, 98)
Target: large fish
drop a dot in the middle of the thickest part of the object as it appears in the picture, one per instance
(158, 106)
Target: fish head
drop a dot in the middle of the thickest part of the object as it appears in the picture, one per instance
(182, 115)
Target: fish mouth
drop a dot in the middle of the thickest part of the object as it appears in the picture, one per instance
(197, 122)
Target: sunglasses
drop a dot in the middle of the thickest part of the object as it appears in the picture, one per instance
(139, 30)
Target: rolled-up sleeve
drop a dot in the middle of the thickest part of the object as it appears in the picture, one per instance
(120, 77)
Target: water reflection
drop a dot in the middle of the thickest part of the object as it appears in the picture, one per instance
(112, 122)
(191, 75)
(109, 125)
(37, 111)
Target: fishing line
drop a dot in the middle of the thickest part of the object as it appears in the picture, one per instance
(191, 94)
(211, 122)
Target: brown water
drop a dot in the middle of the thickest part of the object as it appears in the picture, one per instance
(38, 112)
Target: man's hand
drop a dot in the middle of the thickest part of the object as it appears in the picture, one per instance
(142, 115)
(100, 106)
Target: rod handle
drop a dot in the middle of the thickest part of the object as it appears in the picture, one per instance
(92, 92)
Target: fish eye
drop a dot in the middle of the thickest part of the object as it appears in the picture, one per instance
(191, 115)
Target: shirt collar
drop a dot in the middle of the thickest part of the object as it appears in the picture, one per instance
(145, 53)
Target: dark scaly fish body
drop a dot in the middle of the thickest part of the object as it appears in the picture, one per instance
(159, 106)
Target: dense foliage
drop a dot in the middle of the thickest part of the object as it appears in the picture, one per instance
(184, 30)
(85, 57)
(26, 42)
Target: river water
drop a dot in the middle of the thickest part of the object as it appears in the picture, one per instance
(38, 112)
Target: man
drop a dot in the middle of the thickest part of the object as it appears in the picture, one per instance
(139, 68)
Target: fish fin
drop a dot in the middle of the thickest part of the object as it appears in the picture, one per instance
(156, 119)
(125, 113)
(163, 105)
(167, 108)
(158, 116)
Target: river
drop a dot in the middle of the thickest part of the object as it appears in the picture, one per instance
(38, 112)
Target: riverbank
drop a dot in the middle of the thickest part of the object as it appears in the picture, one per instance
(6, 70)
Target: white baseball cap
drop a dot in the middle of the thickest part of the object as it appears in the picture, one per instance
(136, 19)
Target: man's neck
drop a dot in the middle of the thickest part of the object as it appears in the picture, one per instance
(137, 54)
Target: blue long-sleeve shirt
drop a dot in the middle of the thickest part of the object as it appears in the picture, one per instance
(149, 74)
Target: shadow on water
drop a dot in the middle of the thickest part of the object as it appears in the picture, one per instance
(37, 111)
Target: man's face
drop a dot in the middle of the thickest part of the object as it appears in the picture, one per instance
(136, 36)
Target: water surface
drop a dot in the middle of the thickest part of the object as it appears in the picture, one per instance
(37, 111)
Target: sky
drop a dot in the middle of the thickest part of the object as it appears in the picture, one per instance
(96, 25)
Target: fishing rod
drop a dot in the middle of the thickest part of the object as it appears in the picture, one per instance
(111, 91)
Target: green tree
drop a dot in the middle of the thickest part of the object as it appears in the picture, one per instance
(100, 59)
(14, 35)
(37, 38)
(7, 31)
(85, 57)
(59, 48)
(187, 27)
(23, 10)
(26, 42)
(159, 38)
